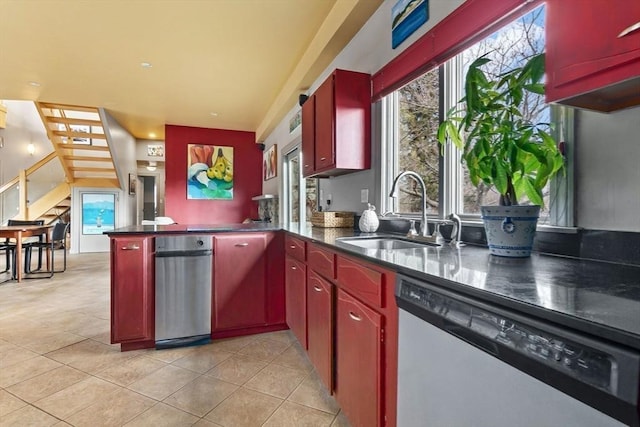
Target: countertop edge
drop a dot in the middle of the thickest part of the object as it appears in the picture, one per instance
(602, 331)
(611, 334)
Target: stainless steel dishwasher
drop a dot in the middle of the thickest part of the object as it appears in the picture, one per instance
(466, 362)
(184, 267)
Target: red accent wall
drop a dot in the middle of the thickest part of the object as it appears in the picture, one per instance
(247, 176)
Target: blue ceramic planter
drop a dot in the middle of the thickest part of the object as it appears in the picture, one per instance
(510, 229)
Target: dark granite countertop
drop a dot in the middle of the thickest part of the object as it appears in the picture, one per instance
(598, 298)
(193, 228)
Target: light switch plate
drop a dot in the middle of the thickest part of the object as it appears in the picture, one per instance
(364, 195)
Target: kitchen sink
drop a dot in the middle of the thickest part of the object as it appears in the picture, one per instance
(382, 243)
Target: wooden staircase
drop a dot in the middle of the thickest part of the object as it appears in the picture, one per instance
(78, 137)
(60, 211)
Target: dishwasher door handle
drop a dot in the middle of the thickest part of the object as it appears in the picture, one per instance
(471, 337)
(183, 254)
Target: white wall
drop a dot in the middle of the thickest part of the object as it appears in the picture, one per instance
(608, 170)
(367, 52)
(24, 126)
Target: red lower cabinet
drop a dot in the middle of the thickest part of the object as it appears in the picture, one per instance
(320, 326)
(239, 289)
(296, 298)
(359, 336)
(132, 290)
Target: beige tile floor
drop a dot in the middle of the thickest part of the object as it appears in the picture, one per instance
(57, 367)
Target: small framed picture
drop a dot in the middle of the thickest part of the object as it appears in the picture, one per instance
(155, 150)
(270, 163)
(132, 183)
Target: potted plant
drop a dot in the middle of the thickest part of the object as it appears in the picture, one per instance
(505, 150)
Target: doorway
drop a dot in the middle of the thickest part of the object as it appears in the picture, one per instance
(147, 198)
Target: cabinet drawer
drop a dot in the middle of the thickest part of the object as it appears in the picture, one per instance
(322, 261)
(295, 247)
(363, 282)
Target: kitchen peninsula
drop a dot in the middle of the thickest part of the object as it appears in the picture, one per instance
(315, 283)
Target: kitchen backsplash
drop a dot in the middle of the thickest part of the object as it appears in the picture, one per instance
(268, 210)
(602, 245)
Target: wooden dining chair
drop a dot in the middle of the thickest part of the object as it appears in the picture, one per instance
(27, 242)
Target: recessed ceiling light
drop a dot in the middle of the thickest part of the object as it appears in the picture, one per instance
(152, 135)
(34, 84)
(214, 114)
(146, 65)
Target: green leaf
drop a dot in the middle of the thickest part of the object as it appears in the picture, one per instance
(534, 195)
(500, 178)
(536, 67)
(535, 88)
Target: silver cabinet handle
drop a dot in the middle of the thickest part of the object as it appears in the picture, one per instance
(293, 267)
(241, 245)
(354, 316)
(322, 159)
(317, 289)
(131, 248)
(306, 166)
(292, 246)
(630, 29)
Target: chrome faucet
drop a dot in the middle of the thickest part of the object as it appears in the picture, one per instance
(456, 233)
(424, 229)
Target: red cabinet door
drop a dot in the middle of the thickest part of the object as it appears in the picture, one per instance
(239, 294)
(320, 326)
(308, 136)
(274, 279)
(325, 122)
(296, 298)
(586, 52)
(321, 260)
(132, 290)
(358, 361)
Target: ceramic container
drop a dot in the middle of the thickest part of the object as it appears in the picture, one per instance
(510, 229)
(369, 220)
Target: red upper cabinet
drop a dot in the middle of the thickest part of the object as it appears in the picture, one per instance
(132, 289)
(239, 291)
(308, 135)
(593, 53)
(336, 126)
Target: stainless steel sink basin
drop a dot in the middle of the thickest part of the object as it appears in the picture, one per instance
(382, 243)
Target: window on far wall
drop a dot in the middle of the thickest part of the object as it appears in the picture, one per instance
(412, 118)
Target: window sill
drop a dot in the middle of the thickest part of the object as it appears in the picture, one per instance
(543, 228)
(540, 228)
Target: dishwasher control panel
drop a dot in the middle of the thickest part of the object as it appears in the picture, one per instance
(580, 361)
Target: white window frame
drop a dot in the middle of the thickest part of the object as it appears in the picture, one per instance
(561, 216)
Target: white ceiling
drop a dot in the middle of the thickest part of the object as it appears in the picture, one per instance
(230, 64)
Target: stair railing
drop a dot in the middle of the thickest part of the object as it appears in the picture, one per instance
(25, 196)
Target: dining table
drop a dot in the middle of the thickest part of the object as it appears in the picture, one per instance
(18, 232)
